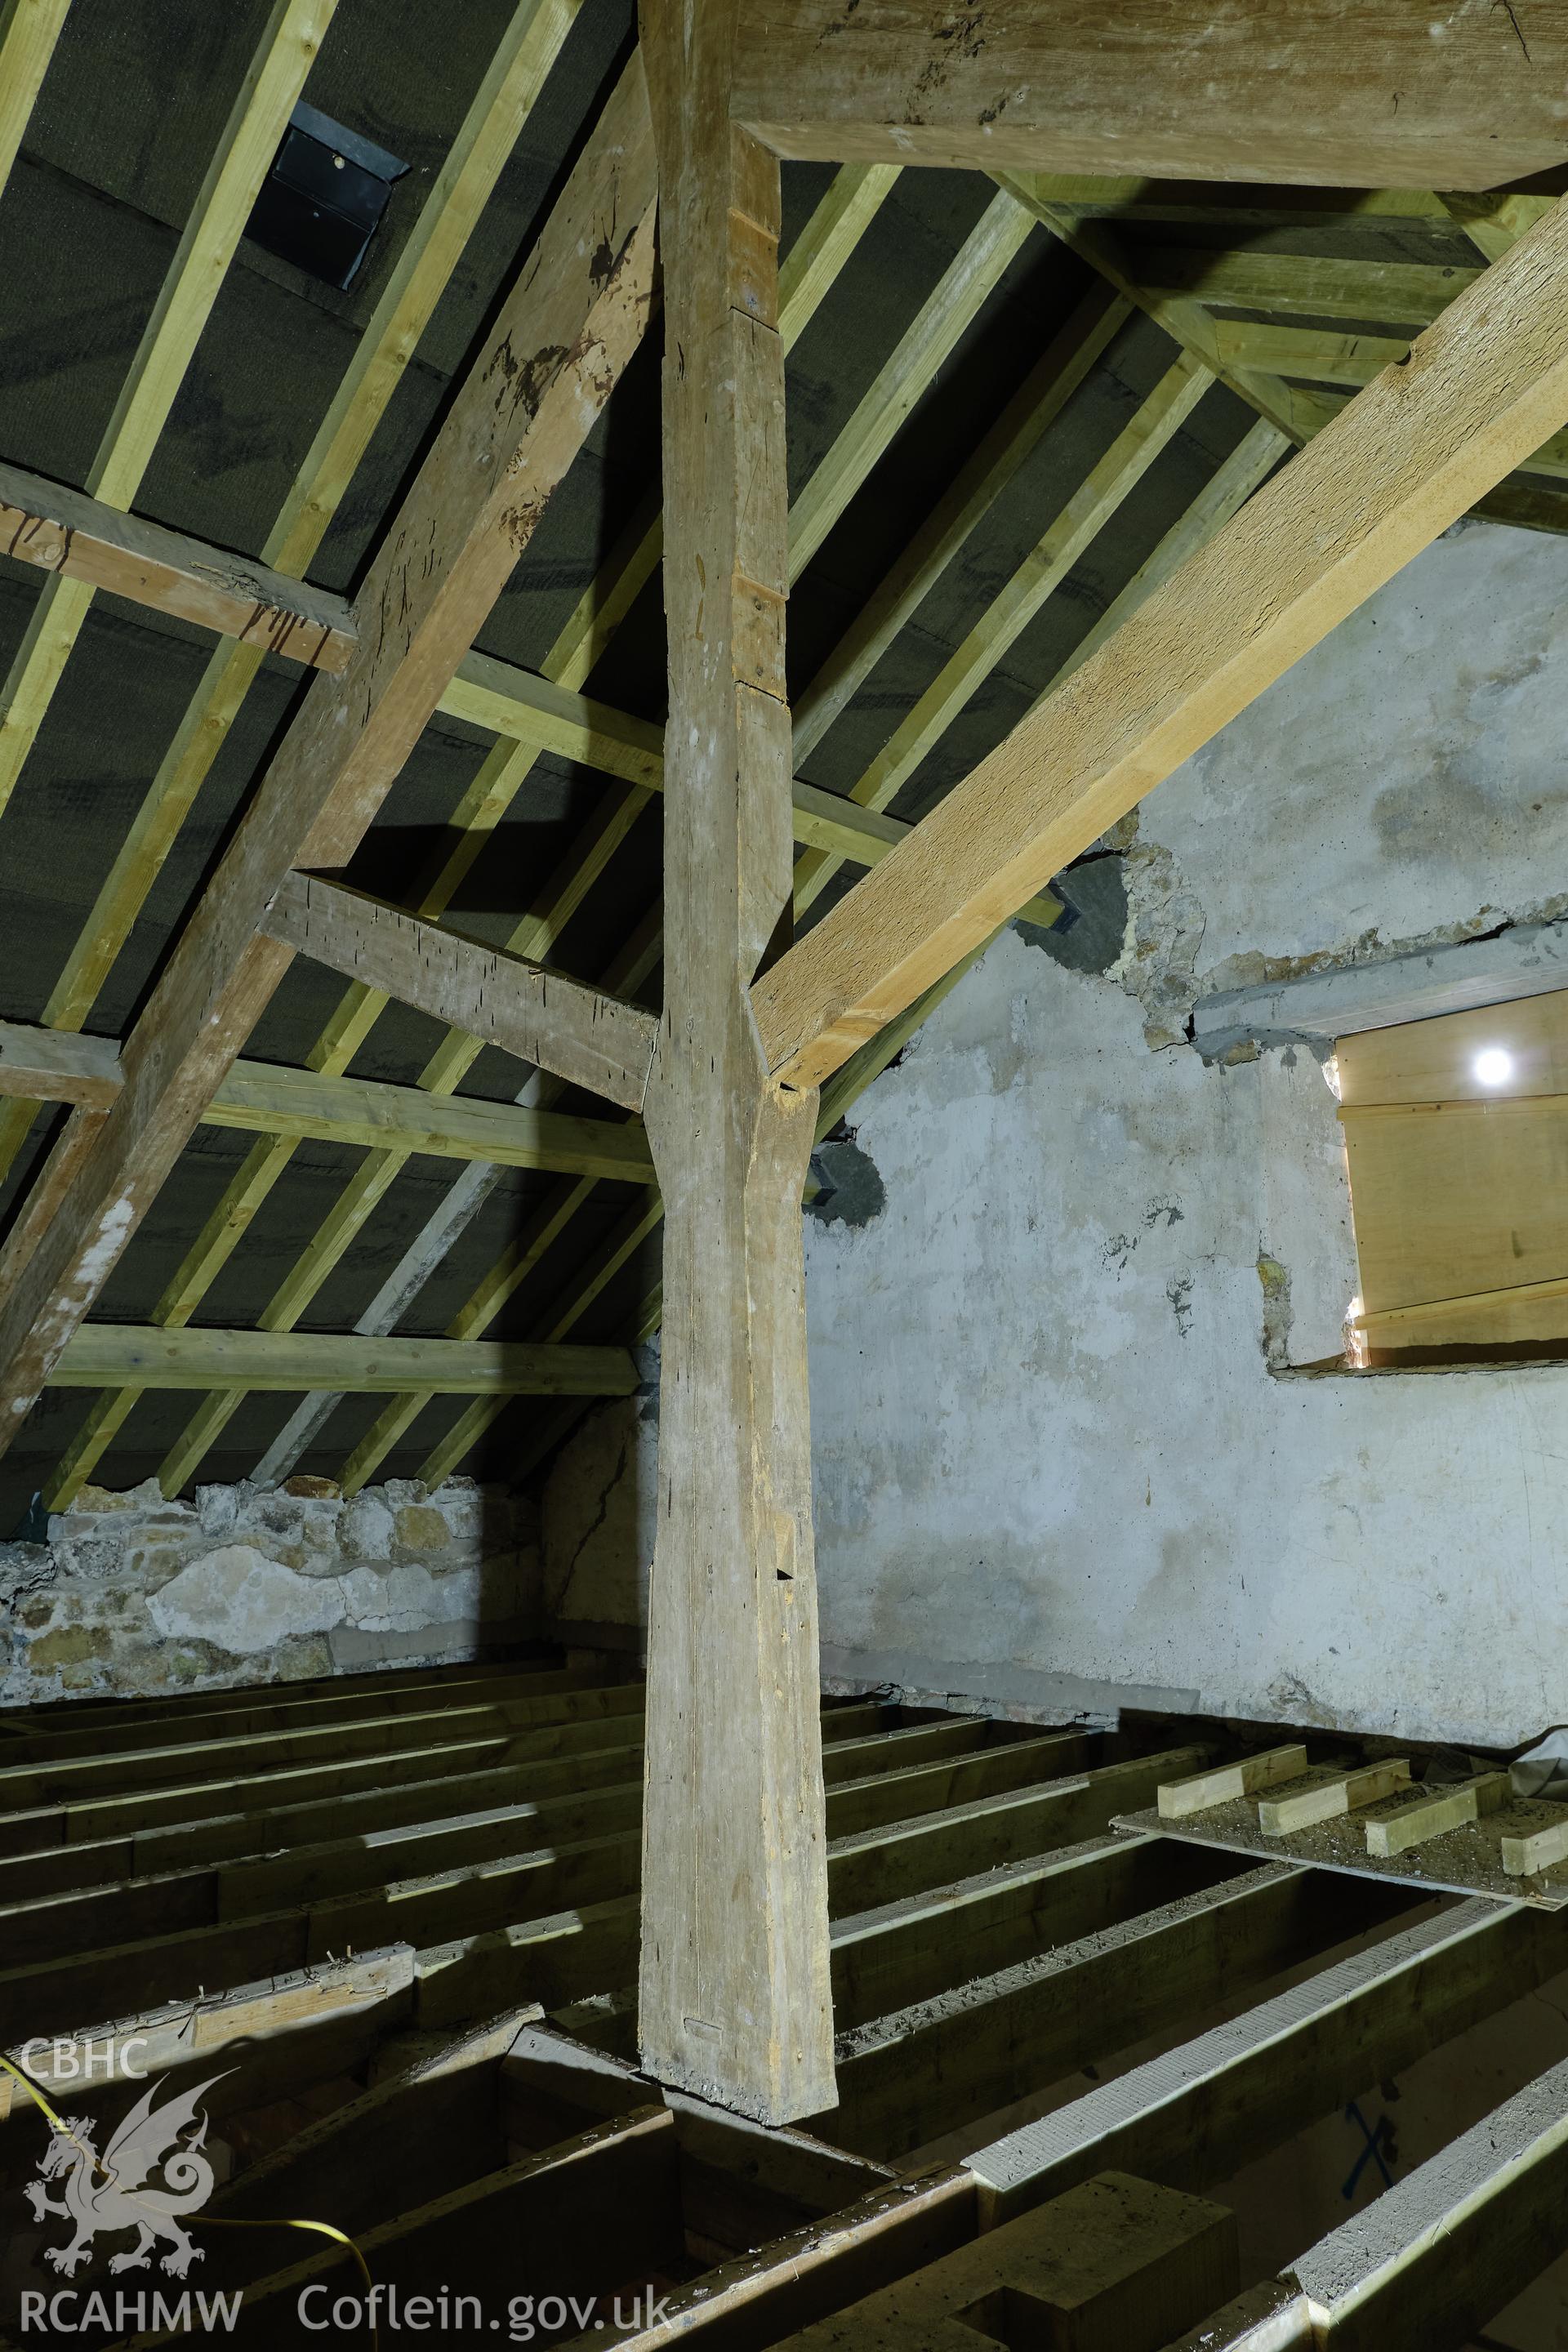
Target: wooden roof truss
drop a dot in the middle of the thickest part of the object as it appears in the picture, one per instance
(761, 1035)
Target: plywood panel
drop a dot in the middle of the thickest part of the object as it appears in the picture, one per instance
(1435, 1061)
(1459, 1187)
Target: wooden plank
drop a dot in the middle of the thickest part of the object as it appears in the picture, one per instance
(580, 308)
(273, 81)
(58, 1065)
(1340, 1793)
(872, 1801)
(827, 238)
(1070, 533)
(1238, 205)
(550, 716)
(141, 1725)
(1458, 1230)
(289, 2033)
(1523, 1856)
(156, 1772)
(1333, 97)
(1196, 2114)
(973, 491)
(914, 2076)
(903, 1953)
(887, 1863)
(580, 1035)
(1413, 292)
(1400, 462)
(1118, 2262)
(817, 2269)
(597, 2213)
(272, 1101)
(1439, 2253)
(1428, 1313)
(1525, 505)
(105, 1354)
(978, 268)
(524, 708)
(378, 1782)
(734, 1998)
(1179, 1798)
(1424, 1060)
(29, 31)
(1309, 352)
(426, 2125)
(1431, 1816)
(68, 533)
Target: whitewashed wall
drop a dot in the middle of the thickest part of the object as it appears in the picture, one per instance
(1061, 1458)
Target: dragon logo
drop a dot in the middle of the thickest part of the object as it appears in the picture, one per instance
(107, 2192)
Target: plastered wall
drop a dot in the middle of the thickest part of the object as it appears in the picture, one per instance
(1066, 1456)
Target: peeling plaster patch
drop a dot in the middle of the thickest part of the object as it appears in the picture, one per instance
(851, 1191)
(100, 1254)
(1275, 1341)
(1116, 1252)
(1179, 1291)
(1298, 1704)
(1158, 964)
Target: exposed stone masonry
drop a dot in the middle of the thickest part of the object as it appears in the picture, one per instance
(135, 1594)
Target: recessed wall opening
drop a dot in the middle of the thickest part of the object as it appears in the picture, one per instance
(1455, 1134)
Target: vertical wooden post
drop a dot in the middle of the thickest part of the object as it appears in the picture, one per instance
(734, 1986)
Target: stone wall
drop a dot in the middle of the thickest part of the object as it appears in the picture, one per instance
(1068, 1452)
(132, 1594)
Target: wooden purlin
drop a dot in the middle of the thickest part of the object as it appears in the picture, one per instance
(188, 1357)
(418, 280)
(64, 532)
(587, 314)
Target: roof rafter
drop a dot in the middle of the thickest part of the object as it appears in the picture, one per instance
(559, 345)
(256, 121)
(1404, 460)
(419, 276)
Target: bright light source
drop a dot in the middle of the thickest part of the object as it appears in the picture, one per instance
(1494, 1067)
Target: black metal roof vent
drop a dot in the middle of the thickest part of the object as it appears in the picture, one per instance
(322, 201)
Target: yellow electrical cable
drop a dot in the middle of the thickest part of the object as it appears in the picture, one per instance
(216, 2221)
